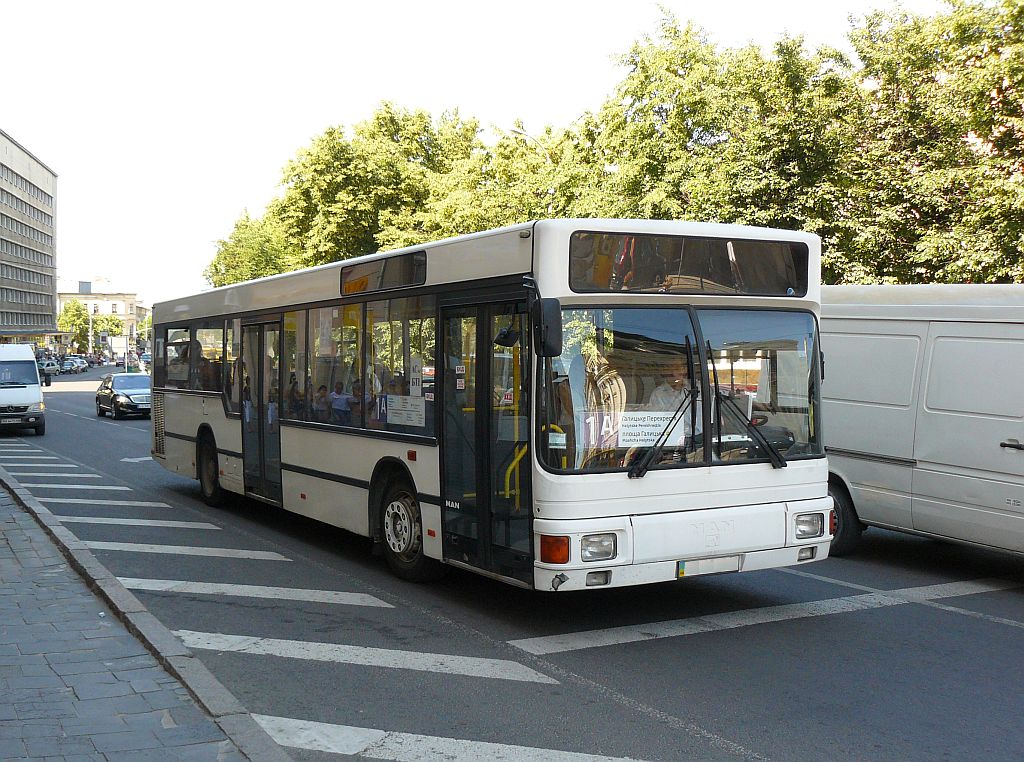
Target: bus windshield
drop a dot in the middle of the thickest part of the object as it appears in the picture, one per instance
(636, 385)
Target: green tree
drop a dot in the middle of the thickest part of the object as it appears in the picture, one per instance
(74, 318)
(255, 248)
(938, 169)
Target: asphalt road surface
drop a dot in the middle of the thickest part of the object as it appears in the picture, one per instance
(910, 650)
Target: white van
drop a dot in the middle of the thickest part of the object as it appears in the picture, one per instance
(21, 396)
(924, 407)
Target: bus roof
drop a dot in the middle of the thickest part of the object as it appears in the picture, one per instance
(468, 254)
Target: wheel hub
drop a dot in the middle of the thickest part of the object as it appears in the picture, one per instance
(401, 530)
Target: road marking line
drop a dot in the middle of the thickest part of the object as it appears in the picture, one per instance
(186, 550)
(137, 522)
(473, 666)
(43, 465)
(71, 476)
(77, 486)
(5, 458)
(90, 501)
(574, 641)
(254, 591)
(407, 747)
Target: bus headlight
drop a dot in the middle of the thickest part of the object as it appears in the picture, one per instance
(598, 547)
(810, 525)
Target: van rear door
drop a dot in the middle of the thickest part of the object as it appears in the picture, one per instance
(969, 480)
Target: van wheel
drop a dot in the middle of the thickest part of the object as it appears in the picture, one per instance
(41, 429)
(402, 530)
(209, 473)
(849, 528)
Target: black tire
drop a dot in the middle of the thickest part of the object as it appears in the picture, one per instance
(41, 429)
(99, 410)
(848, 526)
(115, 411)
(402, 533)
(208, 467)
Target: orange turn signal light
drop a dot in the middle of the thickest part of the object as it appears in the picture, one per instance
(554, 550)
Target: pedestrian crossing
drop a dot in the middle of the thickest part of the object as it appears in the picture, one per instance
(380, 744)
(81, 504)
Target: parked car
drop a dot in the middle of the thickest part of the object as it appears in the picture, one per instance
(49, 367)
(83, 364)
(70, 365)
(145, 361)
(123, 394)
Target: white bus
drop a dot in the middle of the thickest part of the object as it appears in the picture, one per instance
(561, 405)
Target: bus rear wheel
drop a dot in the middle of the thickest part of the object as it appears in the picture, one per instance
(209, 473)
(402, 531)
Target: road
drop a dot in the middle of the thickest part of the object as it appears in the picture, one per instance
(909, 650)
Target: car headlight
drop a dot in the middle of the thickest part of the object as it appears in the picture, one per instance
(122, 398)
(809, 525)
(37, 407)
(598, 547)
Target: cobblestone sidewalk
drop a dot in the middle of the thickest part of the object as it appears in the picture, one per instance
(75, 685)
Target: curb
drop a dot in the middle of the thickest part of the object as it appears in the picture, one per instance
(226, 710)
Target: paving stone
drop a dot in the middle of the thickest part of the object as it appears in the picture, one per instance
(131, 740)
(76, 686)
(102, 690)
(56, 746)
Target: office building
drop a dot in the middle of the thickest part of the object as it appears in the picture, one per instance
(28, 282)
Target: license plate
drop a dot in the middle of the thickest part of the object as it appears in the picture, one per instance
(10, 420)
(707, 566)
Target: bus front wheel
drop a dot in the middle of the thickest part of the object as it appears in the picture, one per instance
(209, 473)
(402, 531)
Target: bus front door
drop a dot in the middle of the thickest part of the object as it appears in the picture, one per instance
(261, 431)
(485, 439)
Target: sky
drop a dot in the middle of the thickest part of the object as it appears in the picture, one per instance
(166, 121)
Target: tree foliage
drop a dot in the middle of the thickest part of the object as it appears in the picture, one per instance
(74, 318)
(907, 161)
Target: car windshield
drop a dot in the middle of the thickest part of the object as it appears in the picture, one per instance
(18, 372)
(139, 383)
(634, 389)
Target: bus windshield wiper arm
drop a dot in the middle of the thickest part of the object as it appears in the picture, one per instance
(777, 458)
(640, 466)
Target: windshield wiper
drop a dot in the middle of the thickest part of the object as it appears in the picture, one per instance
(723, 401)
(641, 465)
(13, 383)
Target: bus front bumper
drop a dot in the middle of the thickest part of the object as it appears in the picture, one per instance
(676, 546)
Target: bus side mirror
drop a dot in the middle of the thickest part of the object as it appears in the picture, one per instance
(547, 327)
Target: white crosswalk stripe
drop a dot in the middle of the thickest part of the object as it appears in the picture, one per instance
(185, 550)
(77, 486)
(51, 474)
(575, 641)
(407, 747)
(473, 666)
(137, 522)
(42, 465)
(97, 501)
(253, 591)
